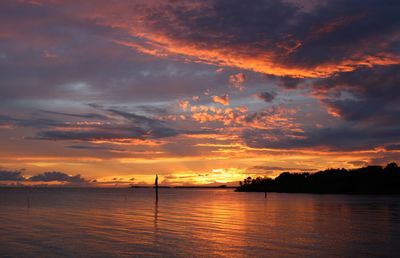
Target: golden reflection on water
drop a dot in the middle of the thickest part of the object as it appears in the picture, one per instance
(193, 222)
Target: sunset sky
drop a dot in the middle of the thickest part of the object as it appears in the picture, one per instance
(200, 92)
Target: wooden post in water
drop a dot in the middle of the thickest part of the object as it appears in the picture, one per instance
(28, 199)
(265, 191)
(156, 185)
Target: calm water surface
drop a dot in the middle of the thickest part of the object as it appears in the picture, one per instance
(195, 223)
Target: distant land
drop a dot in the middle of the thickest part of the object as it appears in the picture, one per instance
(364, 180)
(189, 186)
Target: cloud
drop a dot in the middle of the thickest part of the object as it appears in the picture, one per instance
(57, 176)
(135, 59)
(274, 171)
(241, 118)
(110, 126)
(76, 71)
(84, 147)
(87, 115)
(6, 175)
(137, 119)
(29, 122)
(91, 135)
(273, 37)
(370, 94)
(280, 168)
(340, 138)
(224, 99)
(289, 82)
(132, 126)
(184, 104)
(267, 96)
(385, 158)
(237, 80)
(393, 147)
(364, 103)
(195, 98)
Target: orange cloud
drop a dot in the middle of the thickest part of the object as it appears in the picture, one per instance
(186, 39)
(184, 104)
(196, 98)
(224, 99)
(162, 46)
(237, 80)
(130, 142)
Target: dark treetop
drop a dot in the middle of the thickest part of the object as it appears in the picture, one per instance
(365, 180)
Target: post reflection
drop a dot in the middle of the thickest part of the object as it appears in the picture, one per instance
(156, 216)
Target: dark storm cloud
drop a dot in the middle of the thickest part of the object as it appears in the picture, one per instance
(59, 53)
(338, 29)
(367, 101)
(63, 57)
(108, 133)
(152, 110)
(374, 94)
(137, 119)
(385, 158)
(392, 147)
(6, 175)
(134, 126)
(332, 33)
(224, 22)
(87, 115)
(29, 122)
(106, 126)
(336, 138)
(153, 128)
(57, 176)
(267, 96)
(289, 82)
(91, 135)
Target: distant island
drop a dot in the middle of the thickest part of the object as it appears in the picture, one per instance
(185, 186)
(365, 180)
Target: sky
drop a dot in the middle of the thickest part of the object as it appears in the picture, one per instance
(206, 92)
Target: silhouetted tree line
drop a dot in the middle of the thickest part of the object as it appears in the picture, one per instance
(365, 180)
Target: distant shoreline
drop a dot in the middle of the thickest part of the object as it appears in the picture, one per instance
(375, 180)
(324, 193)
(129, 187)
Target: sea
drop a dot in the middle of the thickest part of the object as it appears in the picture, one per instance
(104, 222)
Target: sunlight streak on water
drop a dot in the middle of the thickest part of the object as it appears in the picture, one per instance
(194, 222)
